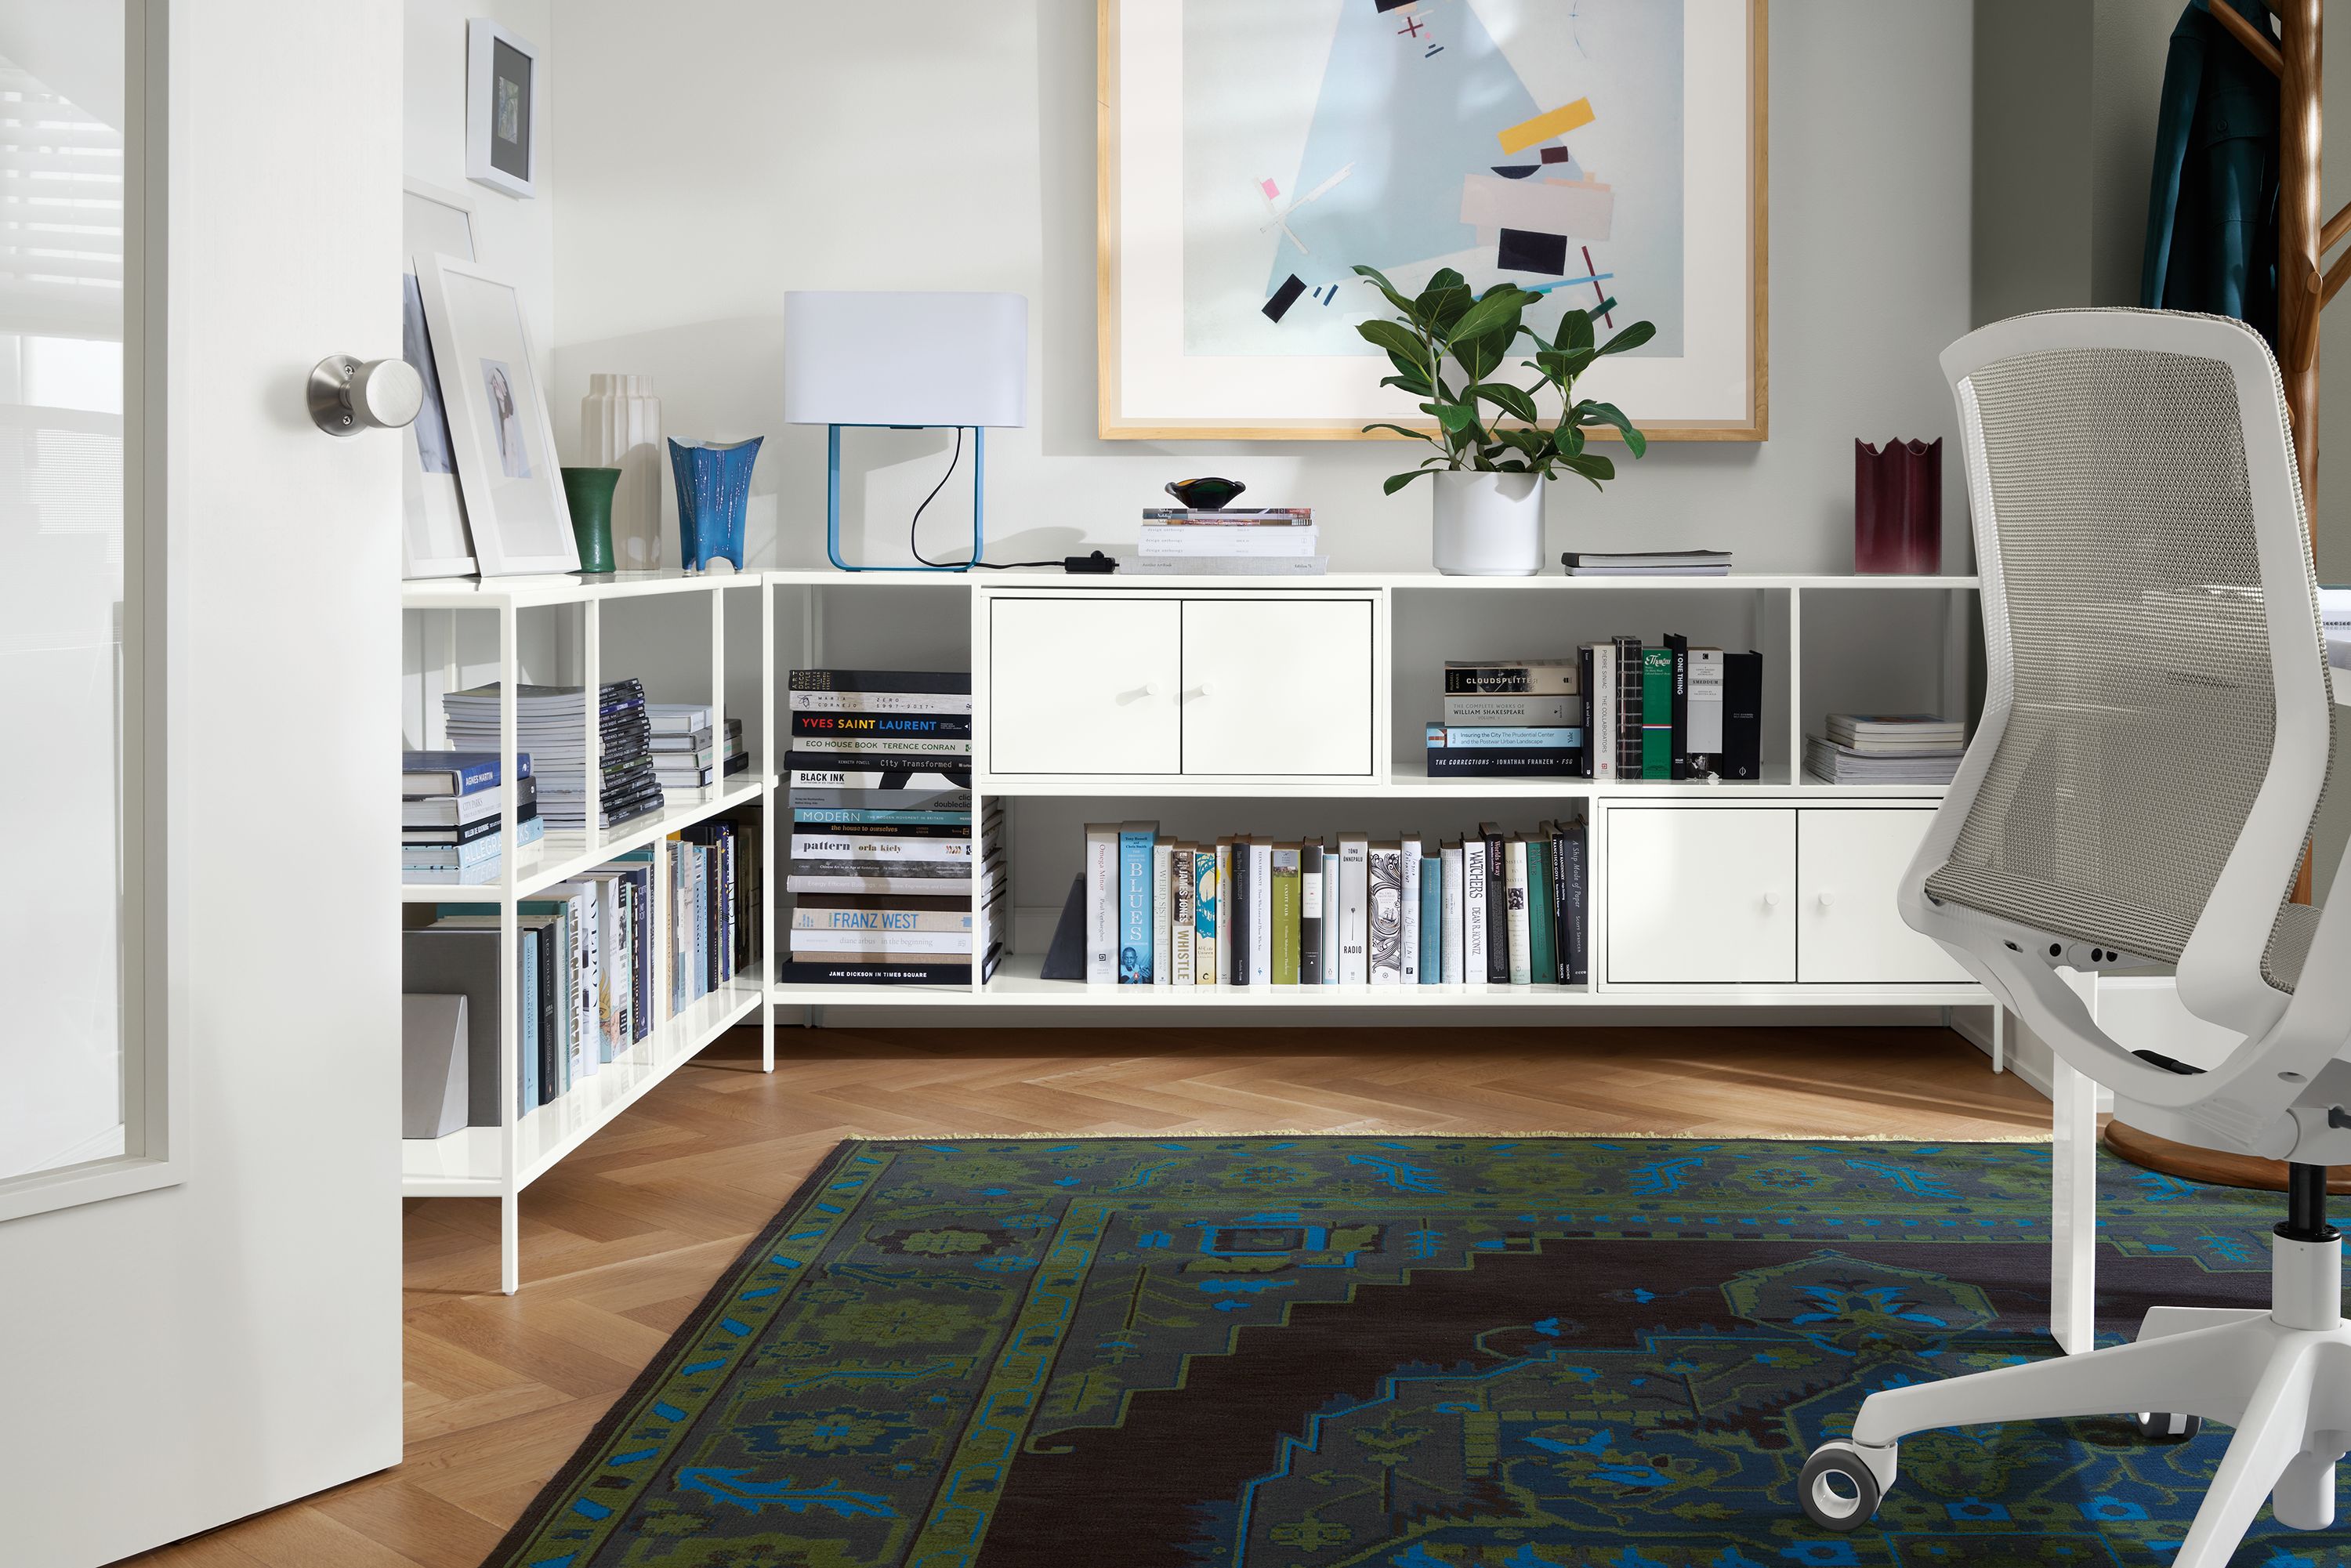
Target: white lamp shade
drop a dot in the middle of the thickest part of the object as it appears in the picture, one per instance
(905, 358)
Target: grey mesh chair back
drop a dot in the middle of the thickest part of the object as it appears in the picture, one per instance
(2158, 724)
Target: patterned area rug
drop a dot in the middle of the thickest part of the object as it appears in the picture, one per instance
(1411, 1353)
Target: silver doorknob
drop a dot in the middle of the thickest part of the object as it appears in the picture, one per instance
(348, 395)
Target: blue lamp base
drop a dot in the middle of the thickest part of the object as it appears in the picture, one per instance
(833, 499)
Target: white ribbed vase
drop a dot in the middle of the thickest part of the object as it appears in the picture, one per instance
(620, 427)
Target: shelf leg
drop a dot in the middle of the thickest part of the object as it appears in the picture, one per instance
(2073, 1194)
(509, 1242)
(1998, 1038)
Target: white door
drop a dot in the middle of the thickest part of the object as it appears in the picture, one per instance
(1701, 895)
(1277, 688)
(1083, 686)
(199, 1289)
(1848, 932)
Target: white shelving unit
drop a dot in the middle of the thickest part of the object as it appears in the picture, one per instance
(501, 1161)
(1796, 890)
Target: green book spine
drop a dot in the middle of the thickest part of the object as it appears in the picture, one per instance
(1542, 944)
(1656, 713)
(1286, 914)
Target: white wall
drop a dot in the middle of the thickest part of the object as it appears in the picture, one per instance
(933, 143)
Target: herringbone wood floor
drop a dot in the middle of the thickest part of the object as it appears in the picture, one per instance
(623, 1239)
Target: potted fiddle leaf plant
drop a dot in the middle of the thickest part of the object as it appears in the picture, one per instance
(1496, 443)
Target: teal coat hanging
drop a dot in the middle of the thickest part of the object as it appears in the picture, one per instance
(2211, 210)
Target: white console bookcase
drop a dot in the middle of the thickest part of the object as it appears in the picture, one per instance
(1219, 705)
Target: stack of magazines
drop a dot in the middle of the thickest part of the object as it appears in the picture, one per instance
(1649, 563)
(550, 724)
(1888, 749)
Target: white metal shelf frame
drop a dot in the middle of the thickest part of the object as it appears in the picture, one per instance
(500, 1162)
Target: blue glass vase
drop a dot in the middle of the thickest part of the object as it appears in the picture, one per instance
(714, 492)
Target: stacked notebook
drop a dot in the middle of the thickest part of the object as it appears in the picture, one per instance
(1257, 541)
(549, 723)
(890, 882)
(451, 808)
(1887, 748)
(1649, 563)
(685, 753)
(1509, 717)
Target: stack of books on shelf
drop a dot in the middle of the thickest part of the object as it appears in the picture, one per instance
(1490, 908)
(1255, 541)
(1887, 748)
(451, 810)
(1509, 717)
(1617, 710)
(2334, 621)
(684, 755)
(549, 724)
(584, 963)
(1649, 563)
(893, 882)
(714, 892)
(1670, 711)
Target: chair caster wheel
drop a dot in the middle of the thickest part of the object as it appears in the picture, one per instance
(1838, 1489)
(2163, 1426)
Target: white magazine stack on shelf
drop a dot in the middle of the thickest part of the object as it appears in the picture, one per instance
(684, 755)
(1887, 748)
(1279, 541)
(2335, 618)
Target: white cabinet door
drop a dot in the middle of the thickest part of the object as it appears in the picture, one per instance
(1277, 688)
(1083, 686)
(1848, 932)
(1701, 895)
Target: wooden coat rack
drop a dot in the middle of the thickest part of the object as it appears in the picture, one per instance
(2304, 286)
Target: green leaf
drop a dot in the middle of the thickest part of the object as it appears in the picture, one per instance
(1403, 345)
(1444, 308)
(1456, 417)
(1398, 481)
(1400, 430)
(1632, 337)
(1497, 310)
(1509, 399)
(1394, 299)
(1417, 385)
(1574, 330)
(1591, 465)
(1446, 278)
(1569, 440)
(1609, 413)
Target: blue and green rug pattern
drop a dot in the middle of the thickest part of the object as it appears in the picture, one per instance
(1393, 1353)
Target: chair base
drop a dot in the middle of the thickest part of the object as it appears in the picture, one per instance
(2281, 1377)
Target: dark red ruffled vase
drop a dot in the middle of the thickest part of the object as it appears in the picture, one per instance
(1897, 508)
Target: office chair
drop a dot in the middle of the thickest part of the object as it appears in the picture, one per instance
(2154, 742)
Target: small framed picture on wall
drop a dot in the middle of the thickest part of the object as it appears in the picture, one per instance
(499, 435)
(501, 94)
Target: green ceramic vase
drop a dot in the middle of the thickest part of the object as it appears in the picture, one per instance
(589, 491)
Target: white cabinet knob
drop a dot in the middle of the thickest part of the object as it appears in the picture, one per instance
(1771, 901)
(1203, 689)
(1827, 898)
(1151, 688)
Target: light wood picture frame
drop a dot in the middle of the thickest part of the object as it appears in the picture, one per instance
(1248, 155)
(498, 426)
(434, 541)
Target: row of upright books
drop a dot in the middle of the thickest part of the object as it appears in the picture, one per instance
(1490, 907)
(893, 882)
(550, 722)
(1231, 541)
(585, 955)
(452, 811)
(1615, 710)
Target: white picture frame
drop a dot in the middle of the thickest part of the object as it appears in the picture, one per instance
(502, 95)
(433, 540)
(498, 426)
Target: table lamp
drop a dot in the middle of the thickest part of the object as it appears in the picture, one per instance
(906, 361)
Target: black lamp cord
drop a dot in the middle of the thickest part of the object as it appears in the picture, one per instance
(914, 544)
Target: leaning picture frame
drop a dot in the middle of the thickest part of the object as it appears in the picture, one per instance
(499, 431)
(433, 538)
(1610, 152)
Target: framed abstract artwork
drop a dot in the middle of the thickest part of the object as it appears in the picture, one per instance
(1251, 155)
(433, 539)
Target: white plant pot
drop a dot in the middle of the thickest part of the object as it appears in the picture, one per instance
(1487, 525)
